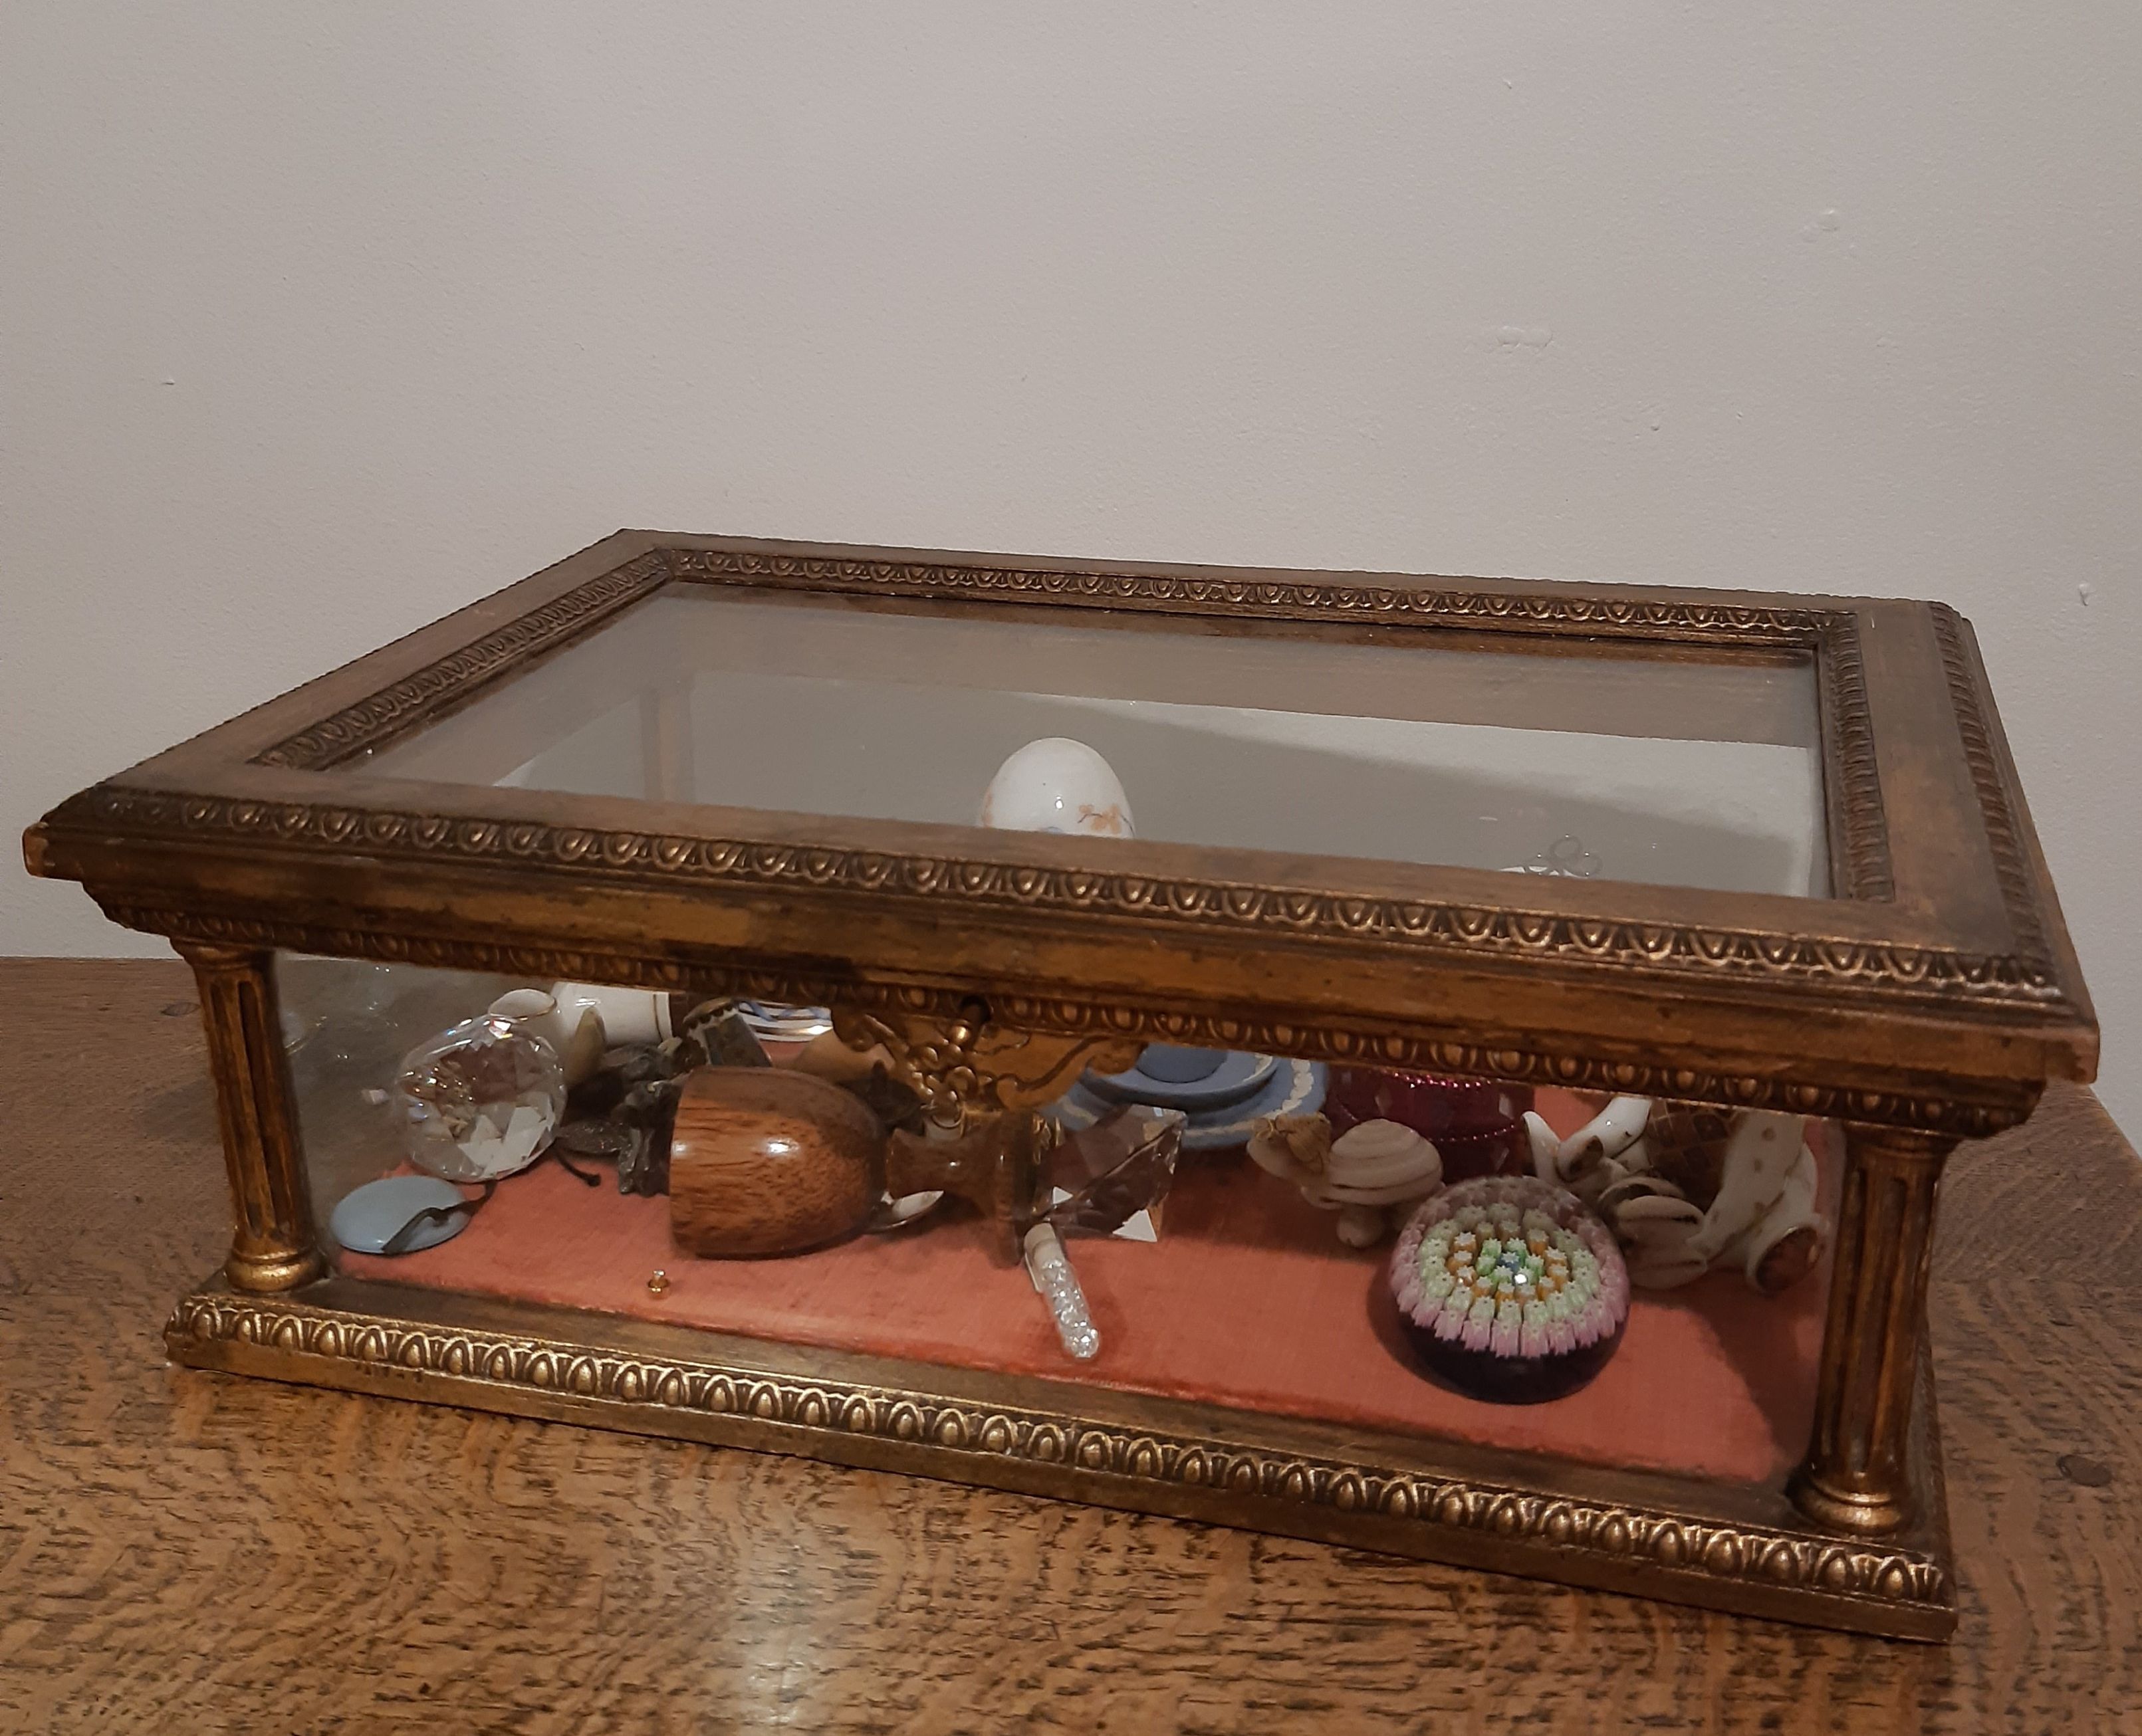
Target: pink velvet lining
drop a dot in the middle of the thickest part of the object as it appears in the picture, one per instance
(1248, 1301)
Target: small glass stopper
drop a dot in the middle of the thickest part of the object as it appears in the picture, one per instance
(1059, 1284)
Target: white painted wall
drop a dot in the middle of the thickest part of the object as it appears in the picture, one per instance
(321, 320)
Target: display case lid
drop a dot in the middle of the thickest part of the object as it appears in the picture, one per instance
(1726, 845)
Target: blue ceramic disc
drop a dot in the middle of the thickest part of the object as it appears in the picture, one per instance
(1291, 1087)
(367, 1219)
(1177, 1065)
(1237, 1077)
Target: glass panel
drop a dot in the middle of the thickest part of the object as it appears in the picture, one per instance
(347, 1024)
(1652, 763)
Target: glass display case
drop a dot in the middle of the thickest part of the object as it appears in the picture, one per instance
(1460, 1069)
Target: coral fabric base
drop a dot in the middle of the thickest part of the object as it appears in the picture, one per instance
(1248, 1301)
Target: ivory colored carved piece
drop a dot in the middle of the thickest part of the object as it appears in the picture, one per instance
(1690, 1189)
(1373, 1166)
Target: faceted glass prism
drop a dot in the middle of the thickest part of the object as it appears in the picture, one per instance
(1110, 1179)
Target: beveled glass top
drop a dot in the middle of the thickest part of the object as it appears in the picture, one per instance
(1649, 762)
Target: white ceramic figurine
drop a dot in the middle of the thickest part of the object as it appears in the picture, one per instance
(1687, 1189)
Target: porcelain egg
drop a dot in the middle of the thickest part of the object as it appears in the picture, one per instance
(1057, 785)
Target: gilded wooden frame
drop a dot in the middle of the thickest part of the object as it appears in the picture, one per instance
(1744, 1551)
(1927, 1000)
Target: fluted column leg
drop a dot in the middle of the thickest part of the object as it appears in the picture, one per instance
(275, 1247)
(1856, 1475)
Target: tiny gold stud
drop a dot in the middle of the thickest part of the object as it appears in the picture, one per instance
(657, 1284)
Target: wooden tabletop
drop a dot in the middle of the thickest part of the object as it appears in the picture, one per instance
(185, 1551)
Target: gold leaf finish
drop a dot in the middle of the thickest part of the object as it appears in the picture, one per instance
(1101, 1022)
(1440, 1516)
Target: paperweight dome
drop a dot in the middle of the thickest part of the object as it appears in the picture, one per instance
(1510, 1290)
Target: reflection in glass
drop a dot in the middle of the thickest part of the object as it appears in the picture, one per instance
(1650, 763)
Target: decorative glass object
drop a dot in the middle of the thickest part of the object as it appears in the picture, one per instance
(1510, 1290)
(1049, 1270)
(480, 1101)
(1111, 1178)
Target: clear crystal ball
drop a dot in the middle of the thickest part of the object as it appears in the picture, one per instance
(480, 1101)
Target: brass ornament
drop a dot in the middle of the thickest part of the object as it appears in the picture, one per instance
(964, 1061)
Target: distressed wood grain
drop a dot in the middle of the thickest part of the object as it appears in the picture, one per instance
(185, 1551)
